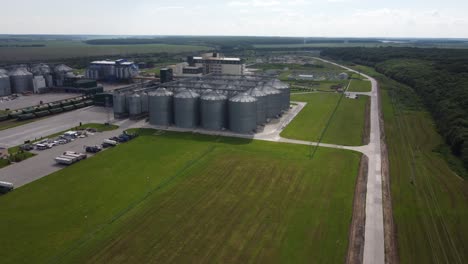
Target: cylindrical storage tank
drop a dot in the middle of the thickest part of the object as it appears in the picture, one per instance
(127, 102)
(144, 103)
(285, 93)
(242, 113)
(161, 107)
(186, 109)
(134, 108)
(213, 110)
(119, 104)
(5, 88)
(261, 104)
(273, 105)
(21, 81)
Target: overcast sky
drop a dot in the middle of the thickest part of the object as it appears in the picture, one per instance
(320, 18)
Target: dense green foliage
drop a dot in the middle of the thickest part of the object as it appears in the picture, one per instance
(439, 77)
(429, 200)
(182, 197)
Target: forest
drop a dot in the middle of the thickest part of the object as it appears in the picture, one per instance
(438, 76)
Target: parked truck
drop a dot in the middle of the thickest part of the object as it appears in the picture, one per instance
(70, 157)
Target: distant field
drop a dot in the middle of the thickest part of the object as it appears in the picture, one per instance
(345, 128)
(72, 49)
(360, 86)
(186, 198)
(430, 201)
(367, 45)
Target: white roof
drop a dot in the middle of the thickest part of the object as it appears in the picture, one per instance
(112, 62)
(6, 183)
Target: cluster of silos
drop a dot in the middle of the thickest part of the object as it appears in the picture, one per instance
(5, 88)
(133, 105)
(62, 72)
(42, 73)
(21, 80)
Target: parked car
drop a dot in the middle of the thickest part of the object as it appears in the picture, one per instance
(93, 149)
(6, 187)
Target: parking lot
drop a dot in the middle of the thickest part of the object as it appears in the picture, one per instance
(17, 135)
(44, 164)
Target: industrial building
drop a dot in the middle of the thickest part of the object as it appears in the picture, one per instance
(209, 63)
(213, 102)
(108, 70)
(43, 78)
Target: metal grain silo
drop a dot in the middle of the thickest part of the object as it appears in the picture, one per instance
(144, 103)
(273, 105)
(213, 110)
(261, 104)
(242, 113)
(285, 93)
(5, 88)
(161, 107)
(186, 109)
(21, 80)
(119, 105)
(134, 108)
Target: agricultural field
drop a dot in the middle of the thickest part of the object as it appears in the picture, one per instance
(73, 49)
(181, 197)
(346, 126)
(429, 193)
(358, 85)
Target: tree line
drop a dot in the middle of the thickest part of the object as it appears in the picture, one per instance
(438, 76)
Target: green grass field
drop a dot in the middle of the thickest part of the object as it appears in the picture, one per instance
(430, 201)
(177, 197)
(345, 128)
(360, 86)
(73, 49)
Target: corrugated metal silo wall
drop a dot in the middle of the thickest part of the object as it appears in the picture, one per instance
(186, 112)
(161, 110)
(21, 83)
(285, 98)
(5, 88)
(135, 105)
(119, 104)
(144, 103)
(242, 116)
(213, 114)
(261, 110)
(274, 104)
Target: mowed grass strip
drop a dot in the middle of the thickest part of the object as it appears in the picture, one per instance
(430, 202)
(360, 86)
(187, 198)
(346, 127)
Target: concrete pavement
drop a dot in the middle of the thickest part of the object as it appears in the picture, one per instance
(44, 164)
(17, 135)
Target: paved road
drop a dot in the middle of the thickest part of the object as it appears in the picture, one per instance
(43, 163)
(374, 252)
(17, 135)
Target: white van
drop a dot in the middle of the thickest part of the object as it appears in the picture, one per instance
(6, 187)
